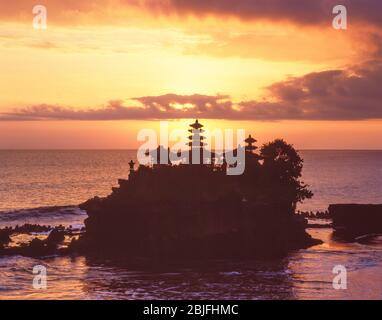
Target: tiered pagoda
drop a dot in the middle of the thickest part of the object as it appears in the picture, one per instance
(196, 143)
(251, 157)
(250, 147)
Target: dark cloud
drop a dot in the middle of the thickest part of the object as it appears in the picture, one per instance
(198, 103)
(297, 11)
(170, 106)
(306, 12)
(351, 94)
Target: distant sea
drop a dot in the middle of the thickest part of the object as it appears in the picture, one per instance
(46, 186)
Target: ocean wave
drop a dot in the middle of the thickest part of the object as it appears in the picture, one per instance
(41, 212)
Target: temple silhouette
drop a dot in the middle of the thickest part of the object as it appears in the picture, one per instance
(198, 154)
(181, 211)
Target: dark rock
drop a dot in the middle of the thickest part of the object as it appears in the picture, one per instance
(354, 220)
(56, 236)
(37, 244)
(314, 215)
(36, 248)
(4, 237)
(226, 228)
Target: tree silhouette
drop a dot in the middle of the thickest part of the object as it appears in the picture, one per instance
(282, 169)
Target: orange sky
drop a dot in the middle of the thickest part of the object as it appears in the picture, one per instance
(277, 72)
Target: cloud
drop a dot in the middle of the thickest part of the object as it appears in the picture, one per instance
(349, 94)
(301, 12)
(197, 103)
(297, 11)
(170, 106)
(218, 39)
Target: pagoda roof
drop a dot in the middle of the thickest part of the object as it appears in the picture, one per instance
(196, 125)
(196, 131)
(250, 148)
(250, 140)
(196, 138)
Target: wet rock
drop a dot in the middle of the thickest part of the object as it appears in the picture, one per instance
(351, 221)
(5, 237)
(56, 236)
(37, 244)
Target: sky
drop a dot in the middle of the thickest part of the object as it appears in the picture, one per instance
(104, 69)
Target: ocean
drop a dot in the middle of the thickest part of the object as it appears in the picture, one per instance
(45, 187)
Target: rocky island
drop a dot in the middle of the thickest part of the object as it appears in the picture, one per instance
(182, 211)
